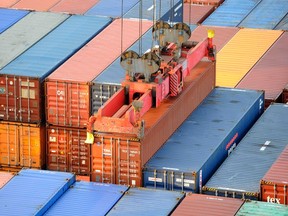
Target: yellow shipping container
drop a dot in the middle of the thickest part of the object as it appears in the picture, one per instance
(240, 54)
(22, 145)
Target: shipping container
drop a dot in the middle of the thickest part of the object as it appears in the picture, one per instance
(68, 90)
(67, 151)
(26, 32)
(266, 15)
(262, 209)
(87, 198)
(143, 201)
(9, 17)
(73, 6)
(221, 37)
(241, 53)
(32, 192)
(204, 140)
(240, 174)
(35, 5)
(22, 145)
(107, 83)
(285, 94)
(21, 81)
(4, 178)
(7, 3)
(205, 2)
(119, 159)
(200, 204)
(270, 72)
(283, 24)
(195, 13)
(166, 10)
(104, 8)
(230, 13)
(274, 184)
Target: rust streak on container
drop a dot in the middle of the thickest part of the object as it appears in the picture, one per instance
(119, 159)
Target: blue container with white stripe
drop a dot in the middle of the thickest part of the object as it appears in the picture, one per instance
(266, 15)
(32, 192)
(204, 140)
(240, 174)
(87, 198)
(9, 17)
(230, 13)
(144, 201)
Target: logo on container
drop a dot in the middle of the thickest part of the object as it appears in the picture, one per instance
(273, 200)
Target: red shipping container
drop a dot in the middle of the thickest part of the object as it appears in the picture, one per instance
(285, 94)
(7, 3)
(67, 151)
(274, 185)
(200, 204)
(119, 160)
(195, 13)
(205, 2)
(4, 178)
(73, 6)
(67, 89)
(35, 5)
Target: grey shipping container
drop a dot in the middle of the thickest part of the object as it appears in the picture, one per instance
(240, 174)
(32, 192)
(203, 141)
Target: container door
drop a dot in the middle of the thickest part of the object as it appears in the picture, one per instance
(103, 160)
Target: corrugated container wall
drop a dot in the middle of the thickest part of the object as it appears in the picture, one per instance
(9, 17)
(258, 208)
(266, 15)
(142, 201)
(200, 204)
(22, 145)
(274, 185)
(196, 14)
(35, 5)
(32, 192)
(204, 140)
(21, 83)
(231, 13)
(4, 178)
(73, 6)
(283, 24)
(270, 72)
(240, 174)
(221, 37)
(67, 91)
(26, 32)
(67, 151)
(7, 3)
(119, 159)
(87, 198)
(240, 54)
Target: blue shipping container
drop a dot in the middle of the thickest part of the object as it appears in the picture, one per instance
(51, 51)
(240, 174)
(87, 198)
(111, 8)
(230, 13)
(283, 24)
(144, 201)
(32, 192)
(10, 16)
(266, 15)
(199, 146)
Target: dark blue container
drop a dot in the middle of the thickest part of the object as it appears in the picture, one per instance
(230, 13)
(205, 139)
(240, 174)
(266, 15)
(87, 198)
(10, 16)
(32, 192)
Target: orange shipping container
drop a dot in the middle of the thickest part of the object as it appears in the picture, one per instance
(274, 185)
(119, 160)
(22, 145)
(35, 5)
(67, 151)
(73, 6)
(68, 98)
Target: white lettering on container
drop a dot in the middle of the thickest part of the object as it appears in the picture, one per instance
(154, 179)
